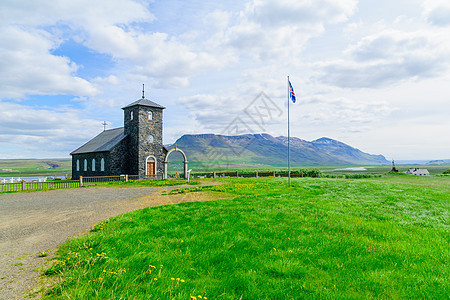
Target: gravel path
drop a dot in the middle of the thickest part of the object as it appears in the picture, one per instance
(31, 223)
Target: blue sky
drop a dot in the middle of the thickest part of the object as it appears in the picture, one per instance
(373, 74)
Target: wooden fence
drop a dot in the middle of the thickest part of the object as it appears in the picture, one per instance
(66, 184)
(33, 185)
(105, 179)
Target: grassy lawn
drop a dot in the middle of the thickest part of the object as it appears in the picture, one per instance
(35, 167)
(149, 183)
(322, 239)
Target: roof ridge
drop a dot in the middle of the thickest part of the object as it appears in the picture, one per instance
(104, 141)
(144, 102)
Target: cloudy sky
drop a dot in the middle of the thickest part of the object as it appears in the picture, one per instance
(372, 74)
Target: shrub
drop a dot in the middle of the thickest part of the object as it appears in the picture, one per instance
(308, 172)
(446, 171)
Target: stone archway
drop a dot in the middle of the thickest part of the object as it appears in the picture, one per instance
(185, 161)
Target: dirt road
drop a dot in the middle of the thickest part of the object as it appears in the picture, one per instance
(31, 223)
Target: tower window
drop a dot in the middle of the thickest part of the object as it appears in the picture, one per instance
(150, 115)
(150, 139)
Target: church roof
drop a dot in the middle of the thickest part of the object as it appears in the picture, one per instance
(105, 141)
(144, 102)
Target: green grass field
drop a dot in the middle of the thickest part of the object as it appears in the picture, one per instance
(35, 167)
(382, 238)
(60, 167)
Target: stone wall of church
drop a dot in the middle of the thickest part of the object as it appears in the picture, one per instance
(132, 130)
(115, 162)
(150, 139)
(119, 159)
(85, 164)
(145, 138)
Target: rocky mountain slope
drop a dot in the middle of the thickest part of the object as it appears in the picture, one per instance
(264, 149)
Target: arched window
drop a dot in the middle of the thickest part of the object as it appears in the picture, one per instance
(78, 165)
(131, 116)
(93, 164)
(85, 164)
(150, 115)
(102, 165)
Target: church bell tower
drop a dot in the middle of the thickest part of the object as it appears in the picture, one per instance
(143, 124)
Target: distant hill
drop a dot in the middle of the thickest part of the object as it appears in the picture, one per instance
(264, 149)
(439, 162)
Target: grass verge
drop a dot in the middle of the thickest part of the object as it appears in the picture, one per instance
(323, 238)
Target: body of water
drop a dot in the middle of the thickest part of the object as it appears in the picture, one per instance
(37, 178)
(352, 169)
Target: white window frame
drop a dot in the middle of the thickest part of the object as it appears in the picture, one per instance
(78, 165)
(85, 165)
(102, 165)
(150, 115)
(131, 116)
(93, 164)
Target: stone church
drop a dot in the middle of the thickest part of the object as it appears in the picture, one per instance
(135, 149)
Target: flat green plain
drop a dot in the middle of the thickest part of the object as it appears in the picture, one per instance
(379, 238)
(35, 167)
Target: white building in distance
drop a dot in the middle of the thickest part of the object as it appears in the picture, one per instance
(417, 171)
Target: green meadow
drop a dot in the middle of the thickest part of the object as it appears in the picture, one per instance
(35, 167)
(380, 238)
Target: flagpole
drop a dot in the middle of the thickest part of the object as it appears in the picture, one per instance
(289, 136)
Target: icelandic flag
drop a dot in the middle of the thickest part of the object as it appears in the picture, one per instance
(291, 92)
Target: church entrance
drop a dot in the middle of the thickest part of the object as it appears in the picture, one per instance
(150, 166)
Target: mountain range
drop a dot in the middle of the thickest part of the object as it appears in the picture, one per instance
(264, 149)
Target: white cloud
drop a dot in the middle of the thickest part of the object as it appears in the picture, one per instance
(437, 12)
(37, 132)
(27, 67)
(389, 57)
(269, 30)
(282, 13)
(84, 13)
(32, 31)
(219, 19)
(343, 112)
